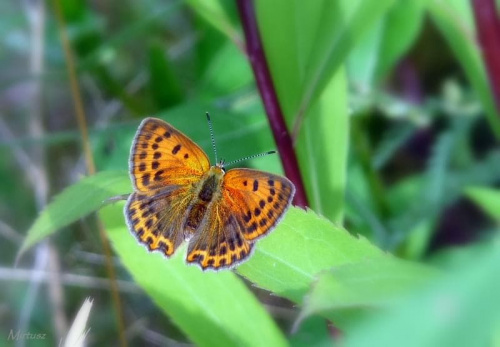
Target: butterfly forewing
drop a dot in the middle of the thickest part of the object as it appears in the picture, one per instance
(258, 199)
(162, 156)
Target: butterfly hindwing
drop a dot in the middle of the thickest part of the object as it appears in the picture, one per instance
(258, 199)
(162, 156)
(156, 219)
(219, 242)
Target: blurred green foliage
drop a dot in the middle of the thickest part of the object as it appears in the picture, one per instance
(395, 133)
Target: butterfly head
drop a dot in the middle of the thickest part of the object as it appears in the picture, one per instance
(221, 165)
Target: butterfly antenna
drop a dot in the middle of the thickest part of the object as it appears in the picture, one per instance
(249, 157)
(212, 136)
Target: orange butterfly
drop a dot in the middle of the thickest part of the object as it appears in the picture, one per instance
(179, 196)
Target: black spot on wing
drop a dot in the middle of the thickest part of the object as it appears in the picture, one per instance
(255, 185)
(176, 149)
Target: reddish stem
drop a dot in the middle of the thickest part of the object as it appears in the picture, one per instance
(488, 31)
(269, 97)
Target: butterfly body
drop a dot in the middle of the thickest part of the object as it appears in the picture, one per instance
(206, 191)
(179, 196)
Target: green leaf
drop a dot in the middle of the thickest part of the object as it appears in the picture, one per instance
(286, 262)
(455, 20)
(212, 308)
(360, 287)
(488, 199)
(459, 309)
(322, 148)
(304, 244)
(76, 202)
(306, 43)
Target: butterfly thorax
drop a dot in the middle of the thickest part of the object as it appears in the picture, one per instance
(208, 189)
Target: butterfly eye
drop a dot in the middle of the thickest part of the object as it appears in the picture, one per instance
(221, 165)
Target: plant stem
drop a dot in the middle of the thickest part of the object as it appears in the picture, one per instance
(488, 32)
(255, 52)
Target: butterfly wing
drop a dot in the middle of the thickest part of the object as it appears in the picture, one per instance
(258, 199)
(250, 206)
(219, 242)
(164, 167)
(162, 156)
(156, 218)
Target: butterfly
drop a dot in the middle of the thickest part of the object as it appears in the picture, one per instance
(179, 197)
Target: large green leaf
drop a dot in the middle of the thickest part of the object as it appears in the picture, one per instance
(76, 202)
(286, 262)
(212, 308)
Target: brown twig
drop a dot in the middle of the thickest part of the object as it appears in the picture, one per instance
(269, 97)
(81, 119)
